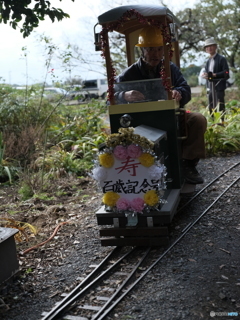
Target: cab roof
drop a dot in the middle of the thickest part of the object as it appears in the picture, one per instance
(147, 11)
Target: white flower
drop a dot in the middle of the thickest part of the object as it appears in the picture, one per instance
(155, 172)
(99, 173)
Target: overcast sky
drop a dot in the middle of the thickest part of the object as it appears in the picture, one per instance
(78, 30)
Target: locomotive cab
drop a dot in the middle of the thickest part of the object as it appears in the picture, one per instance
(158, 118)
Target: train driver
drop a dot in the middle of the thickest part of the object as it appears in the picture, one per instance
(148, 66)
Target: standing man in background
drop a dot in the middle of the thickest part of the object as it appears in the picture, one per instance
(217, 73)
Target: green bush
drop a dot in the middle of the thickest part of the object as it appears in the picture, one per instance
(8, 171)
(193, 80)
(220, 138)
(24, 117)
(51, 137)
(74, 139)
(87, 121)
(52, 140)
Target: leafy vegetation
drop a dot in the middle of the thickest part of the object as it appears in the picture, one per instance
(190, 73)
(220, 138)
(42, 139)
(25, 229)
(211, 18)
(65, 138)
(52, 140)
(14, 11)
(47, 140)
(7, 170)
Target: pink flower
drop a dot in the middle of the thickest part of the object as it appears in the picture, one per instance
(137, 204)
(120, 152)
(122, 204)
(134, 151)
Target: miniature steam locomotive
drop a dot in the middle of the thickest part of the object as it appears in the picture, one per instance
(139, 167)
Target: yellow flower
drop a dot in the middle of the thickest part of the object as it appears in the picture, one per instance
(151, 198)
(106, 160)
(110, 198)
(146, 159)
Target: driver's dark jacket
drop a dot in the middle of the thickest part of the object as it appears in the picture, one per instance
(138, 71)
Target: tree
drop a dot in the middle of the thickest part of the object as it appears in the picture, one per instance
(190, 74)
(119, 56)
(191, 34)
(15, 11)
(212, 18)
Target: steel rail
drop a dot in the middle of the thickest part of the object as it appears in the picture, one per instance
(74, 294)
(208, 185)
(72, 297)
(95, 317)
(186, 230)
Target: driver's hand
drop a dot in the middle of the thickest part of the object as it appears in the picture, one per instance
(176, 95)
(133, 95)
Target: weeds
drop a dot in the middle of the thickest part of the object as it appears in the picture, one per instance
(32, 183)
(220, 138)
(7, 170)
(23, 227)
(61, 142)
(67, 149)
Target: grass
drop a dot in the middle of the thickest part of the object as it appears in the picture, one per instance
(220, 139)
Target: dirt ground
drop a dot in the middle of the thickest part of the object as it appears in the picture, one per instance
(200, 276)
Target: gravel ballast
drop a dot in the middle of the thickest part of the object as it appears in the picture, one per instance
(198, 279)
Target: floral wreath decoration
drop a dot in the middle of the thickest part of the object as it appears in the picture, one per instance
(125, 145)
(145, 21)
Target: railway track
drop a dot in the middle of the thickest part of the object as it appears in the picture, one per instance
(98, 294)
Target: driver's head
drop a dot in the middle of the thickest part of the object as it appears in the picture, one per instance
(150, 41)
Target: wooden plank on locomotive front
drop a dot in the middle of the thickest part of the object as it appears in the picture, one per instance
(136, 241)
(103, 213)
(102, 221)
(134, 232)
(157, 218)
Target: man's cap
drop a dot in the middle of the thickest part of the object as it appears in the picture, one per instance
(209, 42)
